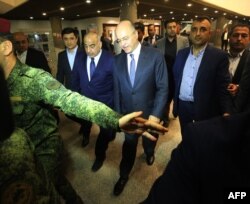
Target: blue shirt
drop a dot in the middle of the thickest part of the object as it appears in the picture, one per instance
(189, 75)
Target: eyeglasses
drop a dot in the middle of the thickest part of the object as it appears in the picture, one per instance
(125, 38)
(237, 35)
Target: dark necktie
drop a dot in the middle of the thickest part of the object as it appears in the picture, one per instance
(132, 69)
(92, 67)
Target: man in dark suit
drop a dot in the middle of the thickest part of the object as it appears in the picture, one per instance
(201, 76)
(139, 27)
(242, 97)
(239, 38)
(96, 84)
(212, 160)
(224, 39)
(68, 58)
(152, 37)
(169, 46)
(28, 55)
(140, 83)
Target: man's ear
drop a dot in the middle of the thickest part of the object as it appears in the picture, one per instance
(7, 47)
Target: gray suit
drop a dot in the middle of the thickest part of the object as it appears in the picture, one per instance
(182, 42)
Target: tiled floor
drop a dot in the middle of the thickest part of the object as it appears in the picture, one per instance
(97, 188)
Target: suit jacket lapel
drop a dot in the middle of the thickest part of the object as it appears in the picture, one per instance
(142, 63)
(240, 67)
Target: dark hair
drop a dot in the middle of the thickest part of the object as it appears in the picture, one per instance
(139, 26)
(6, 36)
(169, 21)
(202, 18)
(69, 30)
(6, 117)
(239, 25)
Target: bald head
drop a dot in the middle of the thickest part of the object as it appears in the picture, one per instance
(92, 44)
(126, 36)
(21, 42)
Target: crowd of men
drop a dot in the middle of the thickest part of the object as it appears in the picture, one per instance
(208, 87)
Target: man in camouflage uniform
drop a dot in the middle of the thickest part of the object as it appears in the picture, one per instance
(33, 92)
(22, 177)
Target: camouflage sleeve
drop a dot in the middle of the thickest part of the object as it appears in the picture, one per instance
(71, 103)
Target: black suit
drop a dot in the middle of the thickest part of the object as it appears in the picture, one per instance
(242, 99)
(37, 59)
(213, 156)
(238, 73)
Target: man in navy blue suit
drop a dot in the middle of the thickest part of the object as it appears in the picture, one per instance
(141, 83)
(93, 77)
(68, 58)
(201, 78)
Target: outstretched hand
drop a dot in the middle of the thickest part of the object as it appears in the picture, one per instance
(133, 124)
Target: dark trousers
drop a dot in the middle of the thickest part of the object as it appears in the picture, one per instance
(103, 139)
(186, 113)
(224, 44)
(129, 152)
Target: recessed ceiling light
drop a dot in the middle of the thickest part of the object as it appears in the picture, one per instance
(44, 14)
(236, 17)
(98, 11)
(224, 14)
(88, 1)
(204, 9)
(152, 9)
(62, 8)
(62, 18)
(145, 15)
(185, 14)
(196, 16)
(189, 5)
(216, 11)
(31, 17)
(173, 18)
(171, 12)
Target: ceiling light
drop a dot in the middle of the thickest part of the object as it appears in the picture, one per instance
(185, 14)
(204, 9)
(78, 15)
(145, 15)
(98, 11)
(62, 19)
(88, 1)
(216, 11)
(224, 14)
(171, 12)
(183, 19)
(31, 17)
(196, 16)
(152, 9)
(189, 5)
(44, 14)
(160, 16)
(62, 8)
(236, 17)
(172, 18)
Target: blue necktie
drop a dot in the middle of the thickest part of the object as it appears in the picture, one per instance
(132, 69)
(92, 67)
